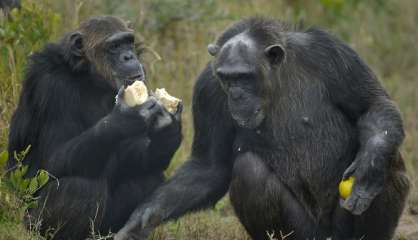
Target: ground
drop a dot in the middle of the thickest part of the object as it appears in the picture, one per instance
(175, 35)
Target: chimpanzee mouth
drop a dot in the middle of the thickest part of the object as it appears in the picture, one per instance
(130, 80)
(250, 122)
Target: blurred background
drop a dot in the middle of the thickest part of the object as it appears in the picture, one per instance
(174, 35)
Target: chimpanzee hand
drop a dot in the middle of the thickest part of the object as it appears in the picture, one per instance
(168, 123)
(140, 225)
(369, 182)
(134, 120)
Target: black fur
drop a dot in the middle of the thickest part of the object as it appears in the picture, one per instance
(7, 5)
(106, 158)
(326, 118)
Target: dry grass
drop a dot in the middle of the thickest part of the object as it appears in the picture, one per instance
(385, 36)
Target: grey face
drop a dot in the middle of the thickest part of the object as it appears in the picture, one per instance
(238, 73)
(126, 66)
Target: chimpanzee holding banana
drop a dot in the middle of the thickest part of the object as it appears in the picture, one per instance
(106, 157)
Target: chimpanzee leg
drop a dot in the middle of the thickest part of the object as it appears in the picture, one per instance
(380, 220)
(124, 198)
(264, 204)
(70, 206)
(74, 204)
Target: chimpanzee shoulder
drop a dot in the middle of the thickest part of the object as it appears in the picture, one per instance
(207, 91)
(46, 89)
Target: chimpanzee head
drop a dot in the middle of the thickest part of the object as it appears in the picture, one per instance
(104, 46)
(246, 57)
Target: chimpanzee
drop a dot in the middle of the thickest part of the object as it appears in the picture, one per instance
(7, 5)
(282, 115)
(106, 157)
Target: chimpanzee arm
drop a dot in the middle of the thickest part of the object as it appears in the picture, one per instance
(202, 180)
(49, 117)
(153, 151)
(358, 93)
(165, 139)
(85, 154)
(98, 143)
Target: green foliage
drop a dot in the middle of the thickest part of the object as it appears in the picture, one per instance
(17, 180)
(24, 31)
(383, 32)
(162, 13)
(28, 28)
(3, 159)
(334, 6)
(337, 14)
(221, 205)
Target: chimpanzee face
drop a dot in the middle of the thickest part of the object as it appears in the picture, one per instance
(240, 78)
(126, 67)
(109, 52)
(240, 64)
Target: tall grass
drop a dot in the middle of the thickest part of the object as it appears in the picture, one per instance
(176, 33)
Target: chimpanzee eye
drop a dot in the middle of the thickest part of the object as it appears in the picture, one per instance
(224, 83)
(227, 83)
(113, 46)
(132, 46)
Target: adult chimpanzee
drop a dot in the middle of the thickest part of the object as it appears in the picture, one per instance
(281, 116)
(7, 5)
(107, 157)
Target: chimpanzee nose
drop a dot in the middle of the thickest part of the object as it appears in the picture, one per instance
(235, 93)
(221, 71)
(127, 56)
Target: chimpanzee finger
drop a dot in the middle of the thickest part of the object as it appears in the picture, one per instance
(150, 110)
(360, 199)
(177, 114)
(125, 235)
(137, 227)
(120, 95)
(350, 203)
(148, 104)
(341, 202)
(350, 170)
(362, 205)
(162, 121)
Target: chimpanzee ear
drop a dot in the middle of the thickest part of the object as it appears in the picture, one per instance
(76, 44)
(275, 53)
(129, 24)
(213, 49)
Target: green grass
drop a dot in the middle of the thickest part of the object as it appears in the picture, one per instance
(383, 32)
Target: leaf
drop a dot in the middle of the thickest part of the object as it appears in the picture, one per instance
(25, 152)
(17, 173)
(14, 179)
(21, 155)
(20, 171)
(24, 183)
(16, 157)
(42, 177)
(24, 170)
(33, 185)
(32, 204)
(3, 158)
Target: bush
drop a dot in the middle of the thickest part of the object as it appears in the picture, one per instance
(24, 31)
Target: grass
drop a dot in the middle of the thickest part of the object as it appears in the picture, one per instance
(383, 32)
